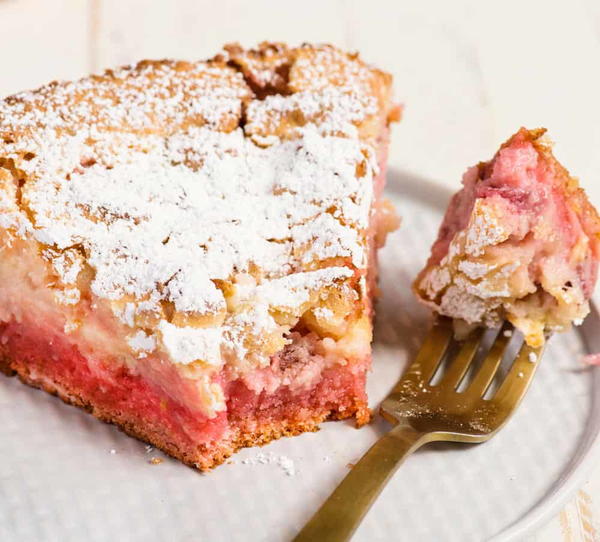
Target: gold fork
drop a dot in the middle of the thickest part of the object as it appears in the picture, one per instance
(425, 412)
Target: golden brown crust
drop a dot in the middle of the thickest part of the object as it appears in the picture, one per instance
(276, 67)
(164, 91)
(308, 73)
(104, 100)
(266, 68)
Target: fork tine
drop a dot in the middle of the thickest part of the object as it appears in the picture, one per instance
(491, 362)
(432, 351)
(459, 366)
(519, 376)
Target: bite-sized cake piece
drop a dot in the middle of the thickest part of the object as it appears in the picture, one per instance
(520, 241)
(187, 250)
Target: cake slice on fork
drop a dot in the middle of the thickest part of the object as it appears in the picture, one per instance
(520, 242)
(188, 249)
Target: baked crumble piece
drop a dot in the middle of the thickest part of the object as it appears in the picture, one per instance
(520, 242)
(188, 248)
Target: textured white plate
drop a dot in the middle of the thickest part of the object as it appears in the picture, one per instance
(60, 481)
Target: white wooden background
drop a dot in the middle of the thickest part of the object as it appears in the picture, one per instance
(470, 73)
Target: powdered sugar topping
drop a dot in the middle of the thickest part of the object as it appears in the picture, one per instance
(188, 344)
(145, 178)
(337, 111)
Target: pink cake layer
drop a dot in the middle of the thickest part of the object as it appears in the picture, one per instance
(114, 394)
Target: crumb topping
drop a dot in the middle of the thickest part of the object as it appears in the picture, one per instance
(152, 97)
(197, 209)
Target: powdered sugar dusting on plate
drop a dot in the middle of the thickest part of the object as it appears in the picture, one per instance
(285, 463)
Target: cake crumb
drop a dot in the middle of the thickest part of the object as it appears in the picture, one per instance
(350, 465)
(507, 333)
(533, 357)
(284, 462)
(591, 359)
(287, 464)
(155, 461)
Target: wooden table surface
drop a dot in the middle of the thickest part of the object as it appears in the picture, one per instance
(470, 73)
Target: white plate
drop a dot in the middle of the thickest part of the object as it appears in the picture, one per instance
(59, 481)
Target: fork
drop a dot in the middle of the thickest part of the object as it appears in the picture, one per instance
(423, 411)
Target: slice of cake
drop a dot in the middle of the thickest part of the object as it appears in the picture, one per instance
(188, 249)
(520, 242)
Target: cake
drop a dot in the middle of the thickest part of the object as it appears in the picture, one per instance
(520, 241)
(188, 249)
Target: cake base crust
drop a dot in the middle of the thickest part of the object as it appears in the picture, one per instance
(271, 418)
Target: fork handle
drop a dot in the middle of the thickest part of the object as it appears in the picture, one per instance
(342, 512)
